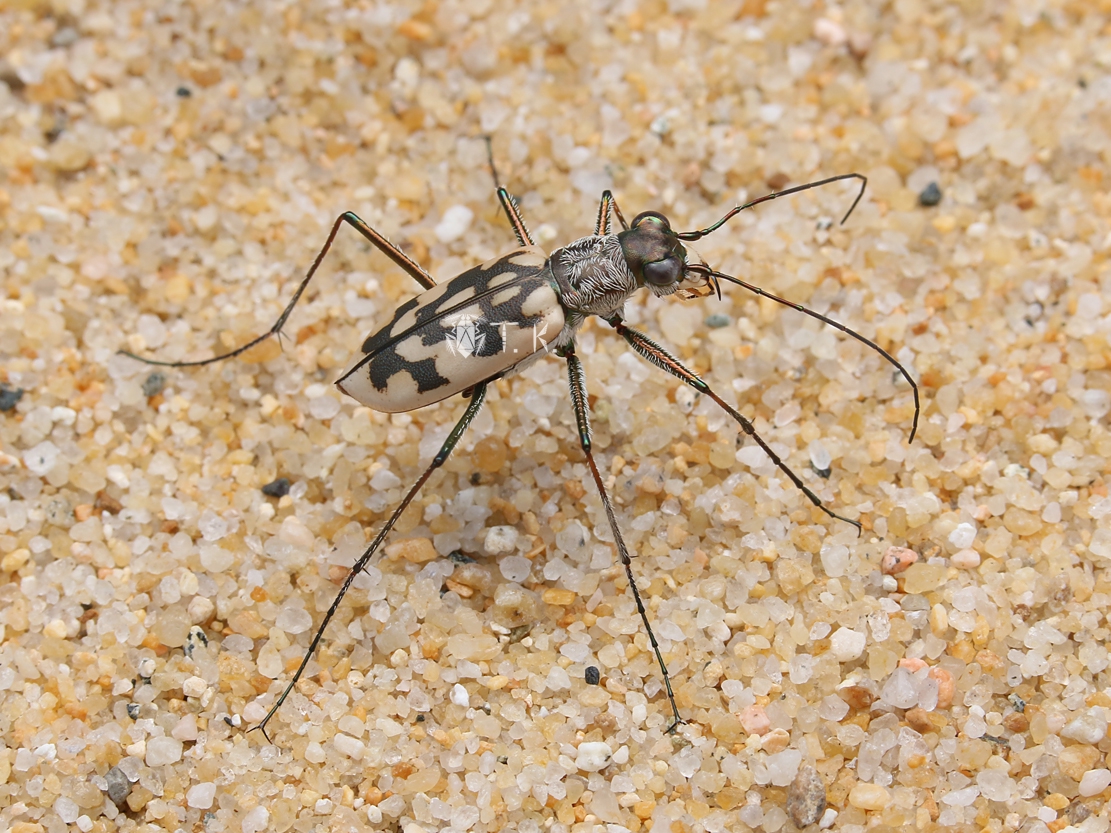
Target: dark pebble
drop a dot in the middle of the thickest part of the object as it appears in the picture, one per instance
(930, 196)
(119, 788)
(196, 637)
(593, 675)
(1078, 812)
(153, 384)
(716, 320)
(279, 488)
(133, 711)
(806, 797)
(183, 92)
(9, 397)
(106, 503)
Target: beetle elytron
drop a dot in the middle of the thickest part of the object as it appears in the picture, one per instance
(459, 336)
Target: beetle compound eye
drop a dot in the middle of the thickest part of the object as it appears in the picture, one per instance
(662, 272)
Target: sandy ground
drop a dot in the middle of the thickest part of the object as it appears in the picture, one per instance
(169, 171)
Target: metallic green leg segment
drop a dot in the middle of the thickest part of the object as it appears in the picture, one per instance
(508, 204)
(513, 212)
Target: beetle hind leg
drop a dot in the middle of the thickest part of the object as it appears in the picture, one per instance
(376, 238)
(478, 396)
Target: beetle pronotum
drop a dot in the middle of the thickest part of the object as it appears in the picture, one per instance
(502, 306)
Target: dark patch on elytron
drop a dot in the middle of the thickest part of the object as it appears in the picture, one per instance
(423, 372)
(375, 342)
(489, 341)
(472, 291)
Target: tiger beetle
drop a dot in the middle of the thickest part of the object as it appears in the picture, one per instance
(498, 317)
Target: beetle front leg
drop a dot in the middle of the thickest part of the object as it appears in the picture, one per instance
(377, 239)
(657, 355)
(577, 381)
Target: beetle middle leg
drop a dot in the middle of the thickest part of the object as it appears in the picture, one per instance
(477, 396)
(661, 358)
(376, 238)
(577, 381)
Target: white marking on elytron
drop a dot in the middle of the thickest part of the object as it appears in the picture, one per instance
(405, 322)
(521, 345)
(401, 392)
(508, 276)
(413, 350)
(433, 295)
(539, 301)
(400, 387)
(528, 256)
(505, 295)
(459, 297)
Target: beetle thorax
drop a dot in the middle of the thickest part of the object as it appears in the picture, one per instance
(593, 276)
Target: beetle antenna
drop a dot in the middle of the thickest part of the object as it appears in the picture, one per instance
(698, 235)
(490, 159)
(721, 276)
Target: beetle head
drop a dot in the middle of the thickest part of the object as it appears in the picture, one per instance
(654, 253)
